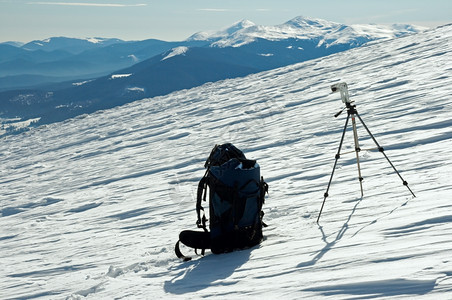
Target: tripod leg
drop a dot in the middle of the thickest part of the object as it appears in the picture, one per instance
(338, 155)
(357, 150)
(405, 183)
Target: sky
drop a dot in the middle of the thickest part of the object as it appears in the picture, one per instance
(175, 20)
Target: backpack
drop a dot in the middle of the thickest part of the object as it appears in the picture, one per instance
(236, 196)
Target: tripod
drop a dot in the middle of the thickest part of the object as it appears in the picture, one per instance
(351, 112)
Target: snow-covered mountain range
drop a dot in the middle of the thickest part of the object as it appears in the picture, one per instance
(91, 207)
(236, 51)
(304, 28)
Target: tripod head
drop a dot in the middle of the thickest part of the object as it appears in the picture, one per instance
(343, 89)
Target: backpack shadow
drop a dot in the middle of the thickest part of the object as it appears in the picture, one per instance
(199, 274)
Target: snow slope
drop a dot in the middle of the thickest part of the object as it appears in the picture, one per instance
(91, 207)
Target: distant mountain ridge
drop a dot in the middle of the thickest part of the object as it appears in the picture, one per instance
(152, 67)
(41, 62)
(71, 45)
(245, 32)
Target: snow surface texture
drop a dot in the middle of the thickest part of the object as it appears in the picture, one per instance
(92, 207)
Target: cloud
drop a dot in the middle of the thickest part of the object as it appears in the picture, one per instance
(228, 10)
(214, 9)
(87, 4)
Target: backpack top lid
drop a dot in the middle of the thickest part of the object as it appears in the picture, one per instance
(223, 153)
(240, 172)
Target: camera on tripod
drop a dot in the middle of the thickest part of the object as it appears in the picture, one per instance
(351, 113)
(343, 89)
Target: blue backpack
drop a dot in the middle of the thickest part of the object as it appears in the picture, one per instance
(236, 196)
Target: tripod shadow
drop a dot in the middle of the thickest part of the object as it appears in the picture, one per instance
(382, 217)
(201, 273)
(329, 245)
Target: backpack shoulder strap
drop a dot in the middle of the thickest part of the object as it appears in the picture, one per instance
(263, 191)
(201, 196)
(199, 240)
(179, 253)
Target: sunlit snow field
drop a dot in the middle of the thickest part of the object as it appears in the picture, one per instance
(93, 206)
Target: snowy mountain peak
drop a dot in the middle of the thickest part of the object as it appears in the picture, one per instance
(306, 22)
(215, 35)
(239, 25)
(98, 40)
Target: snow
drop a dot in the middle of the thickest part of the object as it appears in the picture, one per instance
(116, 76)
(176, 51)
(92, 207)
(83, 82)
(133, 57)
(136, 89)
(213, 35)
(94, 40)
(15, 124)
(329, 33)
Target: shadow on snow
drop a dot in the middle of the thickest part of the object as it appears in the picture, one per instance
(383, 288)
(209, 271)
